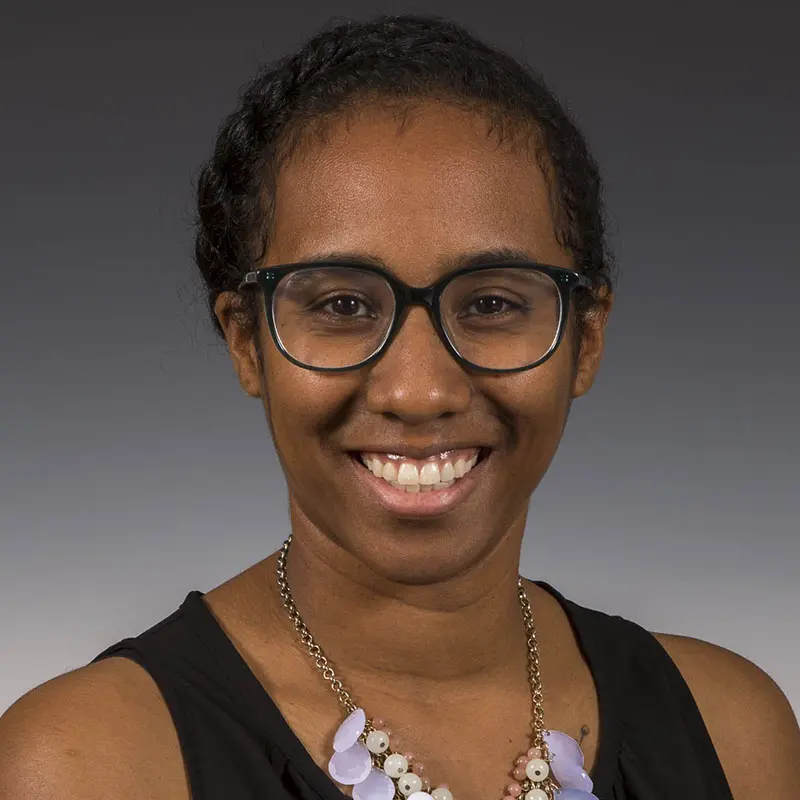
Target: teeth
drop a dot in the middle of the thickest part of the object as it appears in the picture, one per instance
(408, 475)
(389, 471)
(422, 489)
(431, 476)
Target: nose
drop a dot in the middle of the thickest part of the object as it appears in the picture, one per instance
(417, 379)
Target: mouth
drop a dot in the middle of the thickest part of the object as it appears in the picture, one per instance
(410, 487)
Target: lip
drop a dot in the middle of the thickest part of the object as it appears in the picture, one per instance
(418, 505)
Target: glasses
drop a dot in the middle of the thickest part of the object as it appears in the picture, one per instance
(333, 317)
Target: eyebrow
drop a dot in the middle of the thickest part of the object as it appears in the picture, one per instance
(494, 255)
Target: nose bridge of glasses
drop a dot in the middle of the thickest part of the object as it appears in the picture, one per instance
(420, 296)
(425, 297)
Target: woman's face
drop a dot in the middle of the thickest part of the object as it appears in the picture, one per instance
(419, 200)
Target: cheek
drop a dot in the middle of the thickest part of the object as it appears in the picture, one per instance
(301, 405)
(539, 401)
(547, 411)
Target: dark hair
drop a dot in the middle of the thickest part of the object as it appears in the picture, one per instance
(391, 58)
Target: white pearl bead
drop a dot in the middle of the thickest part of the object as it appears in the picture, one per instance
(409, 783)
(537, 769)
(536, 794)
(377, 742)
(440, 793)
(395, 765)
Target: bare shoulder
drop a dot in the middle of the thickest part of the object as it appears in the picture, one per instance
(100, 731)
(751, 723)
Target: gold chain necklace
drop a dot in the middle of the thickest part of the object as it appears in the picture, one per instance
(535, 779)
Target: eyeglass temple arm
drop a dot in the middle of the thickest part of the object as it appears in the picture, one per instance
(249, 279)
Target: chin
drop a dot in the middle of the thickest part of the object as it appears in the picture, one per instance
(422, 554)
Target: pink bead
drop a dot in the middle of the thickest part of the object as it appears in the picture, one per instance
(419, 768)
(534, 752)
(520, 774)
(522, 760)
(397, 744)
(380, 724)
(408, 757)
(509, 797)
(387, 731)
(514, 789)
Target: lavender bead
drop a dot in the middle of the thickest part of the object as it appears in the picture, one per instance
(377, 786)
(574, 794)
(567, 763)
(350, 730)
(572, 777)
(564, 747)
(351, 766)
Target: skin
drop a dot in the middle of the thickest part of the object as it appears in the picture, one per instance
(414, 594)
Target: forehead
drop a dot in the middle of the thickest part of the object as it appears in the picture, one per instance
(415, 192)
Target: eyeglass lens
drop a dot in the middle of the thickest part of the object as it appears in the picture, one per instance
(334, 317)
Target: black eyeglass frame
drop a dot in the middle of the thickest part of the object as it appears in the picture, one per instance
(405, 296)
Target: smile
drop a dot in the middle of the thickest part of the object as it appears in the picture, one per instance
(428, 475)
(420, 488)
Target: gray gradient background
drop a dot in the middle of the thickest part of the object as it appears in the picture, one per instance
(134, 469)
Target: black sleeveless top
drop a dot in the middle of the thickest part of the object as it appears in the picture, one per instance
(236, 744)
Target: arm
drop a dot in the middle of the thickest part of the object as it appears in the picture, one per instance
(749, 719)
(99, 732)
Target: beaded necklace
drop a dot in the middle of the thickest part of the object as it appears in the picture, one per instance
(367, 755)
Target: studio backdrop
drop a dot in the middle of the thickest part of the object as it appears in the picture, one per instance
(134, 468)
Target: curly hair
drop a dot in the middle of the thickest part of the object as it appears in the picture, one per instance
(401, 59)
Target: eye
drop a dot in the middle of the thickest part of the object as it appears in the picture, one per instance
(346, 305)
(489, 305)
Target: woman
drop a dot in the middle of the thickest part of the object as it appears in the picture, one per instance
(402, 239)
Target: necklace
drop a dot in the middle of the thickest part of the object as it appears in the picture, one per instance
(368, 757)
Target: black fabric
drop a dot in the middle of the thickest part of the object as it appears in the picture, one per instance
(237, 746)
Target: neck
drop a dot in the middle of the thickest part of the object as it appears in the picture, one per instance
(465, 629)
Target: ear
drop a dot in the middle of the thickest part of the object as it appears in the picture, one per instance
(592, 343)
(242, 342)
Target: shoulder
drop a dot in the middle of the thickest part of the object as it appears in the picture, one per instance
(748, 717)
(100, 731)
